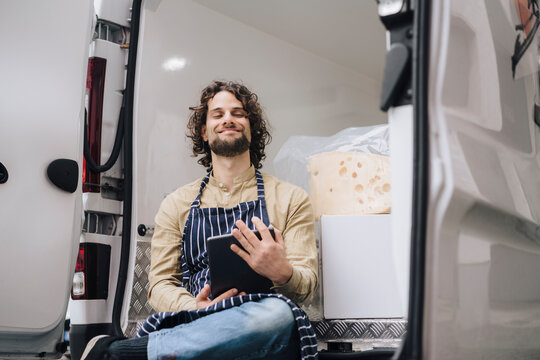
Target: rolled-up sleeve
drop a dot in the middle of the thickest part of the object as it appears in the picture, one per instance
(165, 276)
(301, 248)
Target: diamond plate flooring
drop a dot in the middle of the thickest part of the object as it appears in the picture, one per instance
(139, 308)
(360, 329)
(364, 334)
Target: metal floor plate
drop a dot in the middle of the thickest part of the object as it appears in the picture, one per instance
(360, 329)
(364, 334)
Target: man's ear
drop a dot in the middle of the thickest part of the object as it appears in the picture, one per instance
(203, 133)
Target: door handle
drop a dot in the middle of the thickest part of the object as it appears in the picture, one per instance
(3, 174)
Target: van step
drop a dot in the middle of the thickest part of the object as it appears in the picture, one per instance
(364, 334)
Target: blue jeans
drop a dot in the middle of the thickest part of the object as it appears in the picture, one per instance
(254, 330)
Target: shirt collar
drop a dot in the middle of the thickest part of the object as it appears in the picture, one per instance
(247, 175)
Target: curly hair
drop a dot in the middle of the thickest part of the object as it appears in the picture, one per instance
(260, 137)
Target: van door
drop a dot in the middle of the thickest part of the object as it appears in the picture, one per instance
(43, 67)
(482, 298)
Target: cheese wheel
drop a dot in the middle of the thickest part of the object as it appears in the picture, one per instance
(345, 183)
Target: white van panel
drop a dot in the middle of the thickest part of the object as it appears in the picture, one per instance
(482, 294)
(43, 69)
(400, 120)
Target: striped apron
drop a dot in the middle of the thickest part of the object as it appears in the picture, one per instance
(201, 224)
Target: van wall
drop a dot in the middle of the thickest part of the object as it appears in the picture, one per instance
(185, 45)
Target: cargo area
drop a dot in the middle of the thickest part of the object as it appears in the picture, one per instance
(317, 69)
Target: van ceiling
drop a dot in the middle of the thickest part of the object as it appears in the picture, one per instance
(346, 32)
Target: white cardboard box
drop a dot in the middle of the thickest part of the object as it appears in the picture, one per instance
(358, 268)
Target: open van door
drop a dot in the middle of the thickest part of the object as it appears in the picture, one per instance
(476, 201)
(482, 243)
(43, 68)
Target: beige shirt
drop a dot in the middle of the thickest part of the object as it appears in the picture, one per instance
(289, 210)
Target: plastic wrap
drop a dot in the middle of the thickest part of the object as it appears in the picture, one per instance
(291, 161)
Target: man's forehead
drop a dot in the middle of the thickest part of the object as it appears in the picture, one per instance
(224, 99)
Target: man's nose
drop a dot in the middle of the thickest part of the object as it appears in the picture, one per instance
(227, 117)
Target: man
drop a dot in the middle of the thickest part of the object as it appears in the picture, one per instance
(227, 128)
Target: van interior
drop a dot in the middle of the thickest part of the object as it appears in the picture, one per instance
(317, 68)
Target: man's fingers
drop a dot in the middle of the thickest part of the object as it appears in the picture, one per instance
(263, 229)
(279, 237)
(203, 294)
(244, 255)
(227, 294)
(241, 236)
(248, 234)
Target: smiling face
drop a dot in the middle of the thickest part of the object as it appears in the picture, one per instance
(227, 129)
(228, 99)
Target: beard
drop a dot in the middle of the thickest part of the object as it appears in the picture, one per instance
(230, 148)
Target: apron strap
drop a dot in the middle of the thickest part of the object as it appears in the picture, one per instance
(260, 185)
(197, 201)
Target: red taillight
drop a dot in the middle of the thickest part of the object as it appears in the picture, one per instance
(80, 259)
(95, 84)
(78, 289)
(91, 278)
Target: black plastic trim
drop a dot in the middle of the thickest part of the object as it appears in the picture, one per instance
(4, 175)
(412, 346)
(396, 72)
(378, 354)
(64, 174)
(128, 169)
(397, 76)
(141, 230)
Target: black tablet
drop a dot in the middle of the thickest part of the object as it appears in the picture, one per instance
(228, 270)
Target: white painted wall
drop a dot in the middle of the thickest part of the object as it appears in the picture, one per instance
(302, 93)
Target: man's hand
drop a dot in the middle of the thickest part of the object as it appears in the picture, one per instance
(203, 300)
(267, 256)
